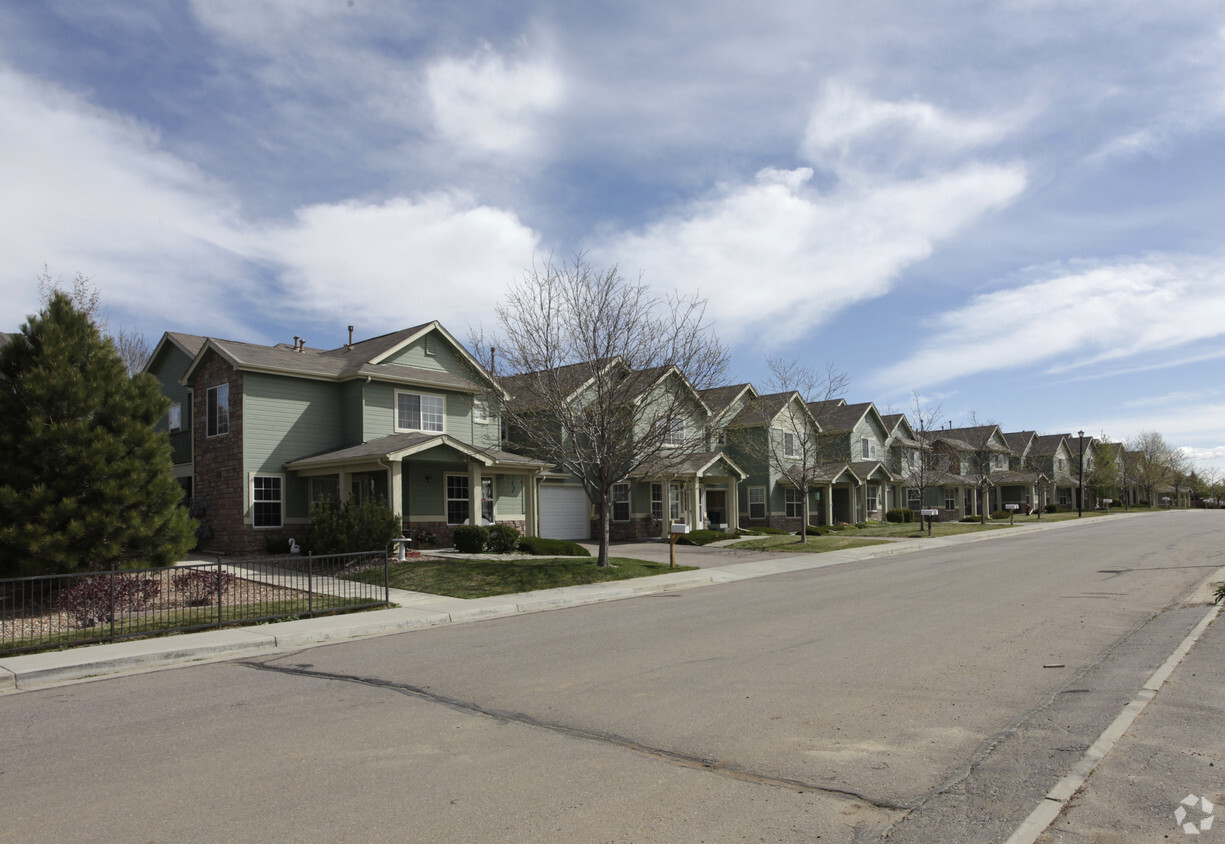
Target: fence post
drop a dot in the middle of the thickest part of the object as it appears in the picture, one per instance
(218, 591)
(112, 585)
(386, 578)
(310, 589)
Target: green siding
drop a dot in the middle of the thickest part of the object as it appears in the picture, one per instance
(509, 492)
(445, 358)
(168, 369)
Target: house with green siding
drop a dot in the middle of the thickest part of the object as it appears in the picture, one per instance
(260, 433)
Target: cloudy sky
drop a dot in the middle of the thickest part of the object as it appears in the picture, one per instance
(1015, 209)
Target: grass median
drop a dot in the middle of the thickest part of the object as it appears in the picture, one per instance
(814, 545)
(480, 578)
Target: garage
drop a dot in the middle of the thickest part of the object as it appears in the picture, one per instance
(563, 512)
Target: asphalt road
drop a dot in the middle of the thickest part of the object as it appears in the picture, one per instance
(933, 696)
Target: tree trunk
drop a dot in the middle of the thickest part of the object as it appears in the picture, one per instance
(804, 528)
(602, 558)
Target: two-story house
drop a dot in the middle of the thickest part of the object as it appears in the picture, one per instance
(974, 458)
(260, 433)
(858, 435)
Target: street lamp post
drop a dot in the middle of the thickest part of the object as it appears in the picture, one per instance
(1080, 503)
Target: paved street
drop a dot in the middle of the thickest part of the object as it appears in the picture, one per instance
(933, 696)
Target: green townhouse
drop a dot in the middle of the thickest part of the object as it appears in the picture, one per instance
(260, 433)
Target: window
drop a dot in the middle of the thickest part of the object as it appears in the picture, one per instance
(790, 449)
(1061, 465)
(869, 449)
(795, 503)
(913, 500)
(480, 412)
(218, 415)
(674, 509)
(174, 417)
(1065, 497)
(621, 502)
(871, 498)
(999, 462)
(266, 501)
(676, 433)
(757, 502)
(912, 457)
(950, 501)
(487, 500)
(657, 502)
(457, 499)
(721, 436)
(324, 489)
(420, 412)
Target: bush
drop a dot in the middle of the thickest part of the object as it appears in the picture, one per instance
(503, 539)
(704, 537)
(350, 527)
(860, 525)
(276, 545)
(766, 531)
(88, 601)
(812, 530)
(969, 519)
(470, 539)
(200, 586)
(1000, 514)
(540, 547)
(901, 514)
(1051, 508)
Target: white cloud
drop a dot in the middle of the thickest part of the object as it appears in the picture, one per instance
(849, 130)
(397, 263)
(776, 258)
(1074, 320)
(490, 104)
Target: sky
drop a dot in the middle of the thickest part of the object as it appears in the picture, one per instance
(1012, 210)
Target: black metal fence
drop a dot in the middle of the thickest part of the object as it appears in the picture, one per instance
(39, 613)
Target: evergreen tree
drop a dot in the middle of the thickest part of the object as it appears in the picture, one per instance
(86, 482)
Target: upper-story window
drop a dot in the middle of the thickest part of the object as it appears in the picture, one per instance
(174, 417)
(1061, 465)
(790, 447)
(868, 448)
(1001, 462)
(675, 434)
(480, 412)
(420, 412)
(218, 413)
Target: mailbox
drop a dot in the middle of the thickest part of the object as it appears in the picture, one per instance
(929, 512)
(1012, 506)
(678, 527)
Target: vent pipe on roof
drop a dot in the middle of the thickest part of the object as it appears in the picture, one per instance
(350, 344)
(493, 361)
(302, 346)
(295, 342)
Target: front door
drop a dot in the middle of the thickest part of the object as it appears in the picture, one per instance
(487, 501)
(716, 508)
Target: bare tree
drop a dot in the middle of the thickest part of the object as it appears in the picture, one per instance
(921, 470)
(134, 349)
(1151, 466)
(1181, 472)
(784, 429)
(601, 373)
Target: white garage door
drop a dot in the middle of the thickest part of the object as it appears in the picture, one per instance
(563, 512)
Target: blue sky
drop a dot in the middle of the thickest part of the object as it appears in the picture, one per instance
(1014, 209)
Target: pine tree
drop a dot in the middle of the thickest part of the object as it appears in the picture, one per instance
(86, 482)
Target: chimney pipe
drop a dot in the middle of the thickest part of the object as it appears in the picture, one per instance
(493, 360)
(350, 336)
(295, 342)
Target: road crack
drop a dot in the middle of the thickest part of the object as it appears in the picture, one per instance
(713, 766)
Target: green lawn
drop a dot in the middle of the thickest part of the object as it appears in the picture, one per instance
(907, 529)
(482, 578)
(814, 545)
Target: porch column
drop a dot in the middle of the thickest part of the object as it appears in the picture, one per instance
(829, 504)
(395, 488)
(529, 506)
(346, 486)
(697, 504)
(474, 493)
(733, 505)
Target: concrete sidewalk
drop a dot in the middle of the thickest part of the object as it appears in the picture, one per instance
(416, 610)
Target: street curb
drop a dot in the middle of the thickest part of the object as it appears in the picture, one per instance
(34, 671)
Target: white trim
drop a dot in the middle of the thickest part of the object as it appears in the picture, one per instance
(395, 411)
(447, 499)
(628, 502)
(765, 500)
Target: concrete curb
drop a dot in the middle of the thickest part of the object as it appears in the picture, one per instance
(418, 611)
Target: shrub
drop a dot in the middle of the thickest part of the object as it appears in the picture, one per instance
(470, 539)
(767, 531)
(1051, 508)
(969, 519)
(276, 545)
(704, 537)
(503, 539)
(346, 528)
(88, 601)
(860, 525)
(540, 547)
(901, 514)
(421, 536)
(812, 530)
(1000, 514)
(200, 586)
(839, 526)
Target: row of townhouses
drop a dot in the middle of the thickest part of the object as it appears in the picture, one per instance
(259, 433)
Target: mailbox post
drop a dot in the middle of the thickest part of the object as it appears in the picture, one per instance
(1012, 512)
(929, 515)
(675, 532)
